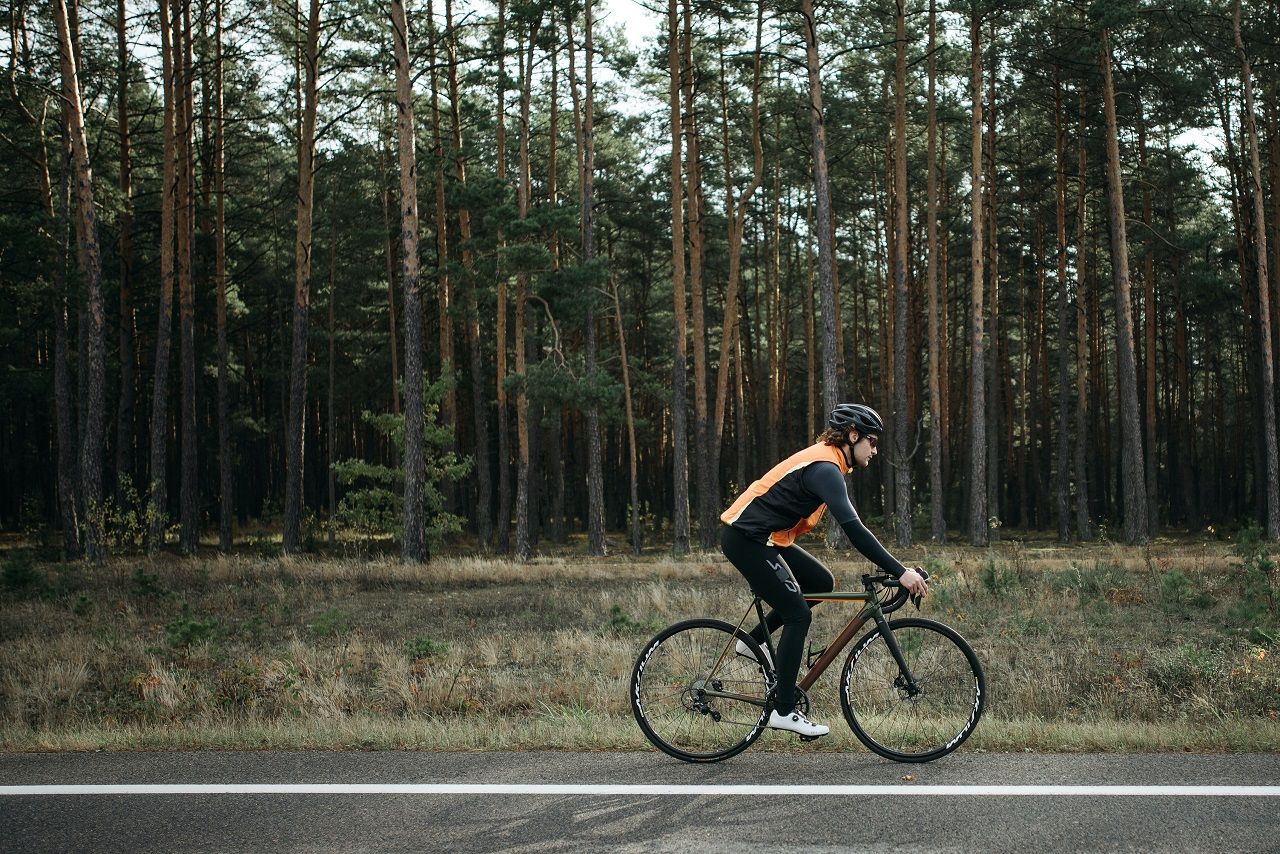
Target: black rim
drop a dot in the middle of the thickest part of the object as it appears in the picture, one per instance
(669, 698)
(920, 722)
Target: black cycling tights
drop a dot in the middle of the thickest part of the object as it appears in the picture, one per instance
(779, 576)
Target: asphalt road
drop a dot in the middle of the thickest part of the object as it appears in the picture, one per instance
(688, 820)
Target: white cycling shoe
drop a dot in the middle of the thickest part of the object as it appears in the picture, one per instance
(745, 651)
(797, 723)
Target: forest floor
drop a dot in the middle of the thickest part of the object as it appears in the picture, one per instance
(1086, 647)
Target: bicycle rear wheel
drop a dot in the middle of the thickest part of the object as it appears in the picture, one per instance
(694, 697)
(913, 722)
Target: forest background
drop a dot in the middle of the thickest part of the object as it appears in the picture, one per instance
(355, 271)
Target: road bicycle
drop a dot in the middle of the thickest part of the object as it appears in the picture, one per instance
(912, 689)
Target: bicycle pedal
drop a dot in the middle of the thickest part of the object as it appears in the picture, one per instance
(810, 737)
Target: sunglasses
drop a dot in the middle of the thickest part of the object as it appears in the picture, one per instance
(871, 438)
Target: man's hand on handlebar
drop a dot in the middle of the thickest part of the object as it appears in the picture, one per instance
(914, 580)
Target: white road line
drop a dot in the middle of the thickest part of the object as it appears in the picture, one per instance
(642, 789)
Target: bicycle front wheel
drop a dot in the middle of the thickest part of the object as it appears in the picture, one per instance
(694, 697)
(921, 714)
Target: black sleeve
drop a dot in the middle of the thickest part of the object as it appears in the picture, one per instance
(825, 481)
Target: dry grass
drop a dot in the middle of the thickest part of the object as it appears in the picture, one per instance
(1085, 648)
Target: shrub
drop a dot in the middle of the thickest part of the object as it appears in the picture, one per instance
(622, 623)
(1260, 571)
(20, 576)
(147, 585)
(1188, 669)
(998, 579)
(422, 647)
(1178, 591)
(186, 631)
(1092, 585)
(373, 505)
(936, 567)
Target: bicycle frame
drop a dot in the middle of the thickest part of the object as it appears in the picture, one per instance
(870, 610)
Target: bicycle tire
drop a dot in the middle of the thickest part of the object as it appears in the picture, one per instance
(668, 677)
(930, 724)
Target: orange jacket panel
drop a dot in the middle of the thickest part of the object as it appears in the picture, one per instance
(792, 464)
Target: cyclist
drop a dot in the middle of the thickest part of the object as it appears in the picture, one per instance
(761, 527)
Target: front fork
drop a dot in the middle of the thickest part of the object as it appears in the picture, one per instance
(905, 681)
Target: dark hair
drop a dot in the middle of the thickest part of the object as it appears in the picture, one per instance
(833, 436)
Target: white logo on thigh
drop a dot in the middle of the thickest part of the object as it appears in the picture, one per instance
(784, 575)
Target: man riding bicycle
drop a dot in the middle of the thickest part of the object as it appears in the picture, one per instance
(761, 527)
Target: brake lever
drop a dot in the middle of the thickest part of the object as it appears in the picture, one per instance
(915, 600)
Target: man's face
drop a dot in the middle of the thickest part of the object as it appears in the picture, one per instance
(865, 448)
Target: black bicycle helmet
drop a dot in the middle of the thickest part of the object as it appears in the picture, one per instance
(862, 418)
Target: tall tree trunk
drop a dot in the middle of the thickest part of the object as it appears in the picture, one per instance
(901, 417)
(188, 499)
(301, 304)
(826, 245)
(884, 251)
(1241, 212)
(1186, 460)
(1026, 505)
(944, 322)
(979, 531)
(822, 195)
(739, 409)
(1149, 323)
(707, 503)
(1044, 426)
(391, 288)
(1135, 492)
(584, 133)
(637, 535)
(994, 362)
(888, 307)
(814, 420)
(524, 544)
(90, 263)
(773, 277)
(331, 428)
(679, 366)
(226, 468)
(1062, 451)
(735, 213)
(1264, 307)
(68, 449)
(595, 463)
(414, 546)
(125, 413)
(1273, 171)
(937, 439)
(444, 288)
(484, 485)
(504, 428)
(1084, 524)
(1106, 471)
(55, 232)
(157, 510)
